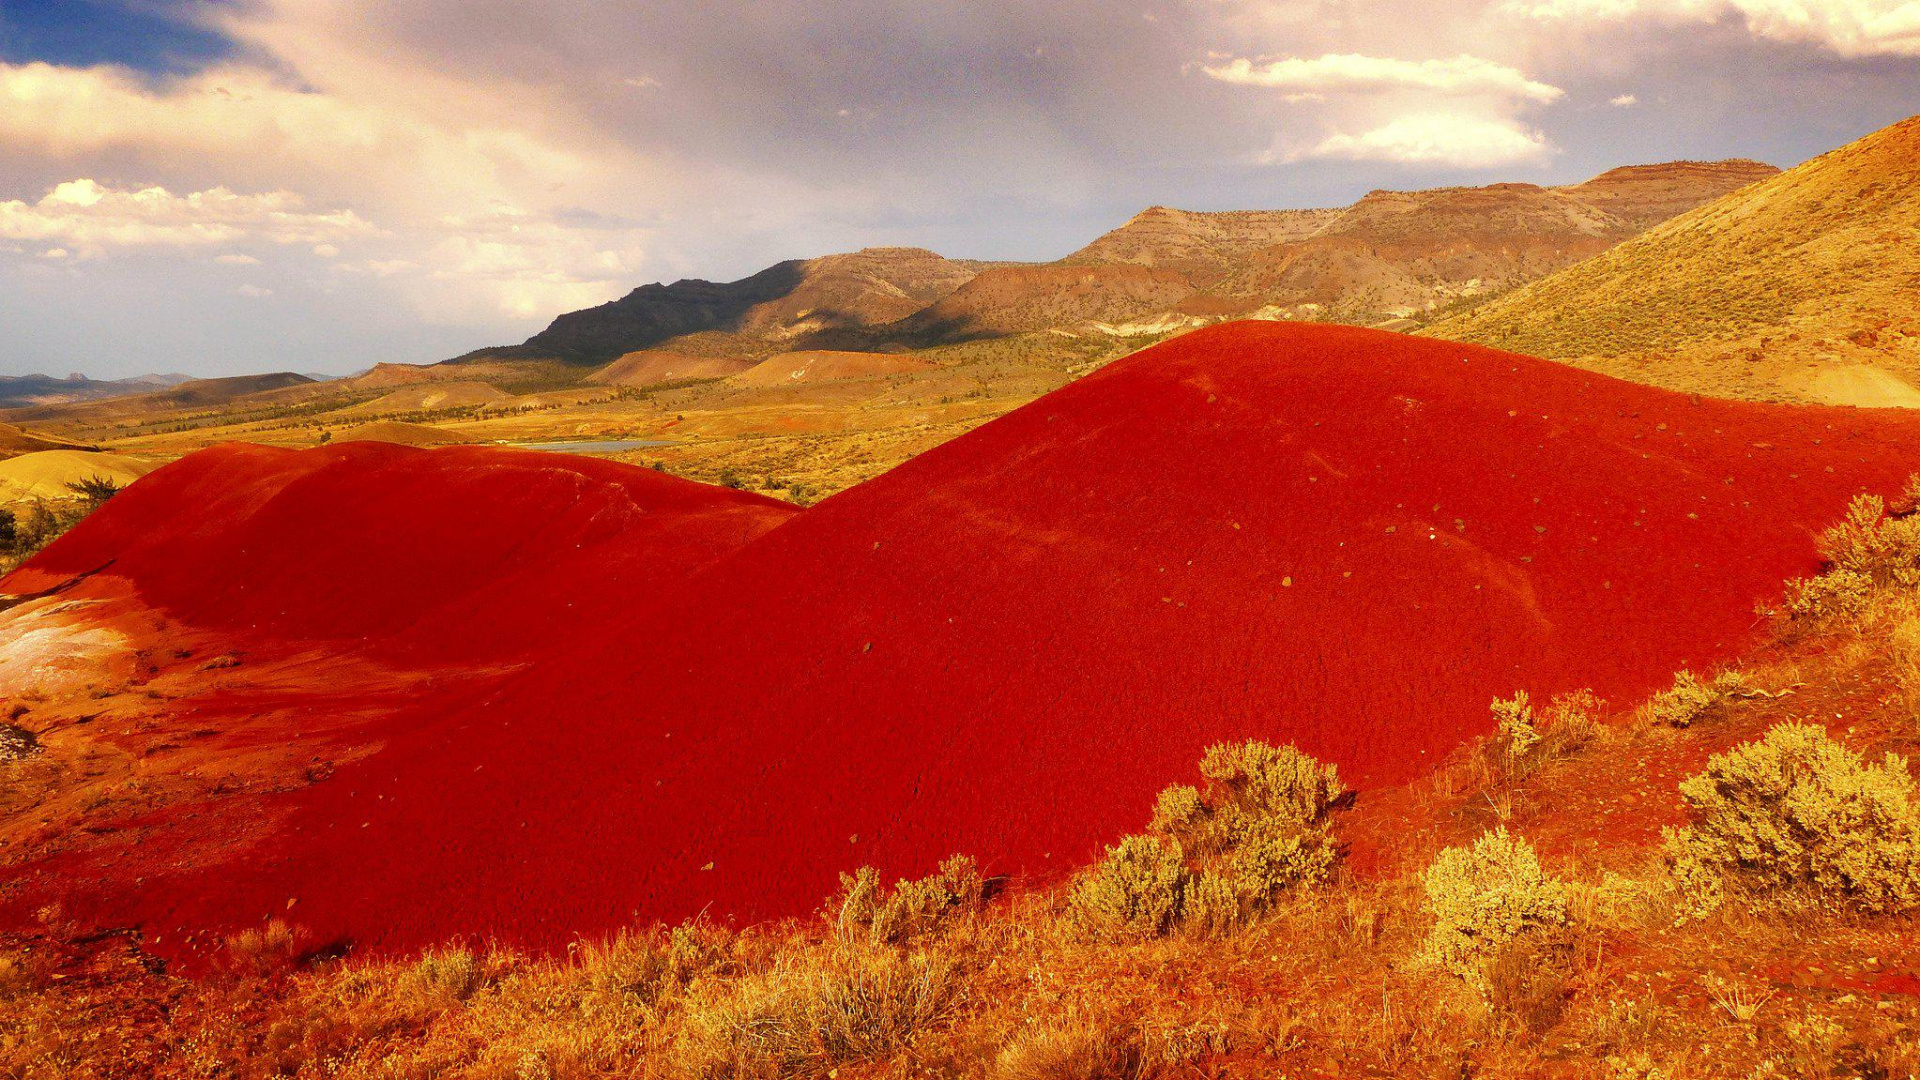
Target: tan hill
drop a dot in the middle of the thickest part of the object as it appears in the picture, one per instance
(15, 441)
(46, 473)
(1397, 254)
(424, 397)
(784, 301)
(820, 366)
(393, 431)
(1803, 288)
(1202, 244)
(1014, 299)
(652, 367)
(385, 375)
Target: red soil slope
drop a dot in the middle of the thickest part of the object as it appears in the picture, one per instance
(463, 552)
(1337, 537)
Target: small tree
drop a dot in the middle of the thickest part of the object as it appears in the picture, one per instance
(96, 490)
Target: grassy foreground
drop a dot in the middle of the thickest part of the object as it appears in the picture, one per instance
(1721, 881)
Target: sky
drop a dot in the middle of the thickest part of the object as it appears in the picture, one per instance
(225, 186)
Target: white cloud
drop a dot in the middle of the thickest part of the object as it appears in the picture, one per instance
(236, 260)
(1353, 73)
(1439, 139)
(254, 292)
(92, 219)
(351, 126)
(1623, 101)
(1849, 27)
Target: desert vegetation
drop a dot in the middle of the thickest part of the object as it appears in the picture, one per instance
(26, 528)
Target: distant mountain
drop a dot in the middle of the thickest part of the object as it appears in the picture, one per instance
(1803, 287)
(22, 390)
(1397, 254)
(781, 303)
(148, 401)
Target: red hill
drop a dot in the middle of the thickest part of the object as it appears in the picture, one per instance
(467, 552)
(1342, 538)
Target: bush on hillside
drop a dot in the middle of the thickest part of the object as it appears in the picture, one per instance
(1834, 594)
(819, 1010)
(1867, 549)
(1135, 892)
(1690, 698)
(1871, 542)
(869, 912)
(1484, 897)
(1215, 859)
(1797, 810)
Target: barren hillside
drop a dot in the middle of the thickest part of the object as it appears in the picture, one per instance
(1805, 287)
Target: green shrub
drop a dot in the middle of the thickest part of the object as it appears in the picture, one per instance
(1526, 739)
(914, 908)
(1179, 812)
(1690, 698)
(1798, 810)
(1484, 897)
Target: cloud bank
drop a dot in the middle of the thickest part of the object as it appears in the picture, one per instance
(413, 178)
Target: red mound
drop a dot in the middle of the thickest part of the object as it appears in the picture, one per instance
(1346, 539)
(466, 552)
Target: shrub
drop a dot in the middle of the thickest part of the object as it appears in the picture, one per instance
(1867, 549)
(1071, 1049)
(1252, 780)
(1519, 732)
(95, 490)
(1527, 739)
(1215, 860)
(1834, 594)
(1690, 698)
(443, 976)
(17, 743)
(1796, 809)
(1134, 893)
(276, 946)
(838, 1006)
(1869, 542)
(1179, 812)
(868, 911)
(1485, 896)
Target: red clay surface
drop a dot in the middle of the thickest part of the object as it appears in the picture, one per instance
(1341, 538)
(466, 553)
